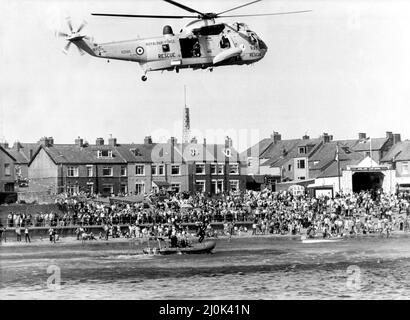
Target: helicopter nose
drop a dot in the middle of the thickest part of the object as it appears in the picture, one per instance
(263, 46)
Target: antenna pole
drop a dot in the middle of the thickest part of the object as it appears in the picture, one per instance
(185, 95)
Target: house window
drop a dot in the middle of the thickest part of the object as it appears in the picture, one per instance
(289, 167)
(123, 171)
(17, 169)
(221, 168)
(72, 171)
(139, 170)
(176, 187)
(7, 169)
(71, 189)
(234, 185)
(90, 187)
(217, 186)
(89, 171)
(233, 168)
(367, 154)
(123, 188)
(200, 168)
(140, 188)
(213, 168)
(301, 164)
(107, 189)
(302, 150)
(301, 178)
(175, 170)
(161, 170)
(136, 152)
(107, 171)
(200, 185)
(154, 170)
(104, 153)
(405, 168)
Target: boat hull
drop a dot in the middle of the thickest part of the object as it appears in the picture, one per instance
(200, 248)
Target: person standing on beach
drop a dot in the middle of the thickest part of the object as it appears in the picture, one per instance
(51, 234)
(2, 231)
(26, 235)
(18, 233)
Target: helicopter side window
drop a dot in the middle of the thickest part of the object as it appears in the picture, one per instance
(165, 48)
(224, 43)
(190, 47)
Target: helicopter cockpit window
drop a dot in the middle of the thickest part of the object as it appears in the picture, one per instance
(165, 47)
(253, 38)
(240, 27)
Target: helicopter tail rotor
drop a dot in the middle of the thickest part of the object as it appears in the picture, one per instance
(72, 36)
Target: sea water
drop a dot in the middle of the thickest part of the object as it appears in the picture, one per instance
(241, 268)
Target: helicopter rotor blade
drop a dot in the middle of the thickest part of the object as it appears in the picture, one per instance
(67, 46)
(183, 7)
(70, 26)
(61, 34)
(81, 26)
(244, 5)
(263, 14)
(140, 16)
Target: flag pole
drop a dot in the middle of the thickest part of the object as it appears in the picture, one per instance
(371, 158)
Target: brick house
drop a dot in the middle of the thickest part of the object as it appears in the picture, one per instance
(7, 171)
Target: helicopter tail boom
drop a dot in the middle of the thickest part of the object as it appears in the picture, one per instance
(84, 44)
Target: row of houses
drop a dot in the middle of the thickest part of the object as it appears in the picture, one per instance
(322, 164)
(114, 168)
(327, 165)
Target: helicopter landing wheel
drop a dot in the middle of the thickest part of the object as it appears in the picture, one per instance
(211, 69)
(144, 78)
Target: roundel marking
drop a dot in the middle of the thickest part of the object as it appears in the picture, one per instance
(139, 50)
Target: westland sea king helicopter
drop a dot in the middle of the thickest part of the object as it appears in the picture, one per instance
(201, 44)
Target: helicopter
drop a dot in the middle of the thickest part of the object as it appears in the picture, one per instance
(201, 44)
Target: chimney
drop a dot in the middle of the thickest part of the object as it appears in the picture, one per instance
(276, 137)
(148, 140)
(396, 138)
(112, 141)
(172, 141)
(325, 137)
(389, 135)
(18, 146)
(79, 142)
(99, 141)
(228, 142)
(305, 137)
(47, 141)
(362, 136)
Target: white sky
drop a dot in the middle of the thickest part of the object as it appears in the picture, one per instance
(343, 68)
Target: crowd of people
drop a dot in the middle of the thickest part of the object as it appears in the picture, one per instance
(264, 212)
